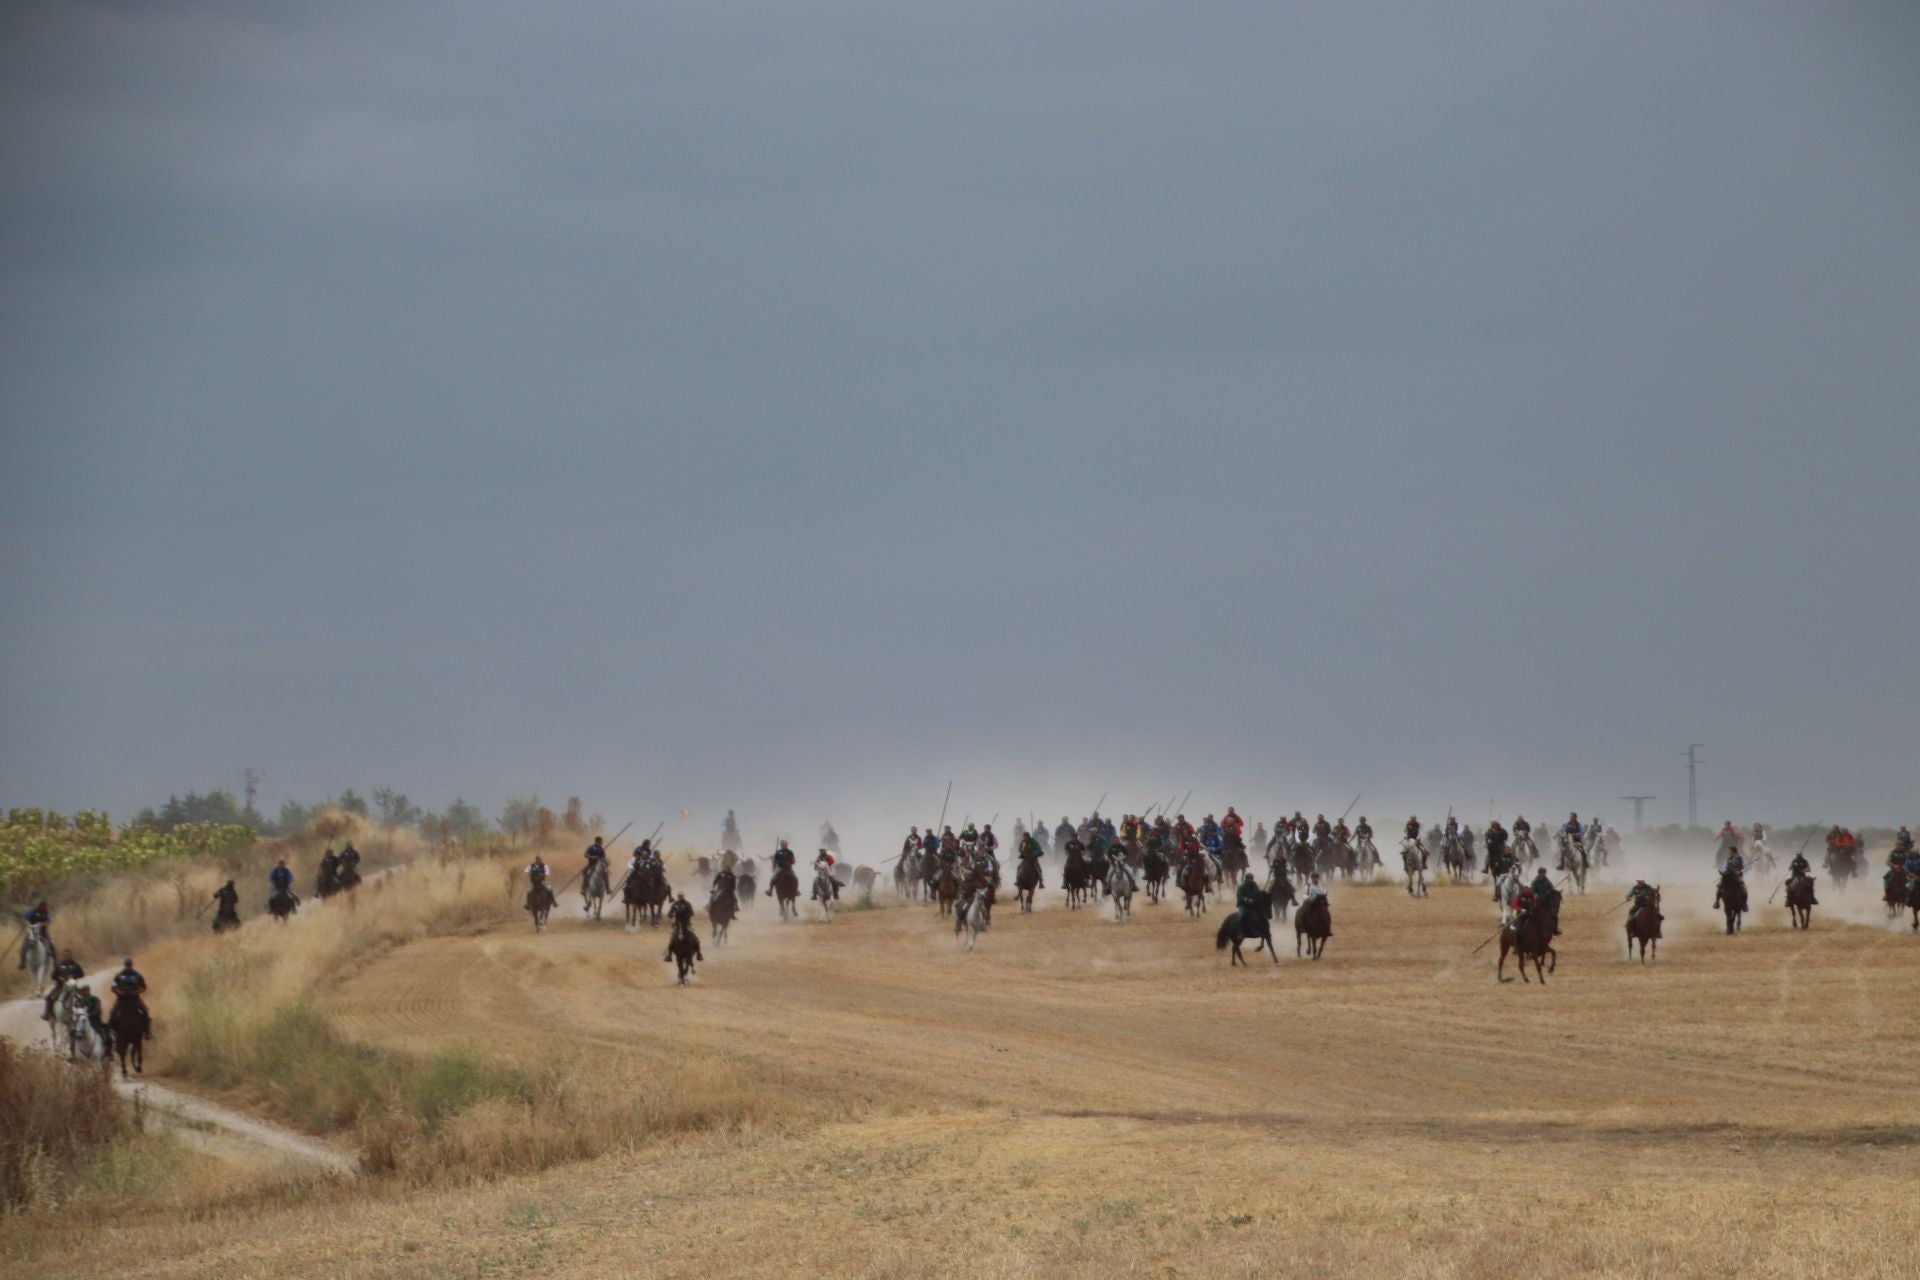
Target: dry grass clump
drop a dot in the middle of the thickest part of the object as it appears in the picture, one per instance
(54, 1120)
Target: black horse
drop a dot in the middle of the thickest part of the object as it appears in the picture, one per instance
(1731, 897)
(282, 904)
(1313, 924)
(131, 1028)
(684, 949)
(722, 907)
(1236, 929)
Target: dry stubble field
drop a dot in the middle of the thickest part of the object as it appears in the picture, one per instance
(1085, 1098)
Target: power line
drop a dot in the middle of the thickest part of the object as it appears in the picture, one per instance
(250, 780)
(1639, 809)
(1693, 785)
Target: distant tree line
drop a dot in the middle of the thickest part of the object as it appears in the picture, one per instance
(522, 815)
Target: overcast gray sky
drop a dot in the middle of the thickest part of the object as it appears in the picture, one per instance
(796, 406)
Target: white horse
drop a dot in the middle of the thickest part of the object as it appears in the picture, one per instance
(1365, 857)
(1120, 889)
(38, 954)
(83, 1041)
(823, 894)
(1524, 849)
(1413, 858)
(60, 1025)
(1505, 886)
(593, 888)
(1573, 857)
(973, 921)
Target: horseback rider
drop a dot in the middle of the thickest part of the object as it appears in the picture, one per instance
(1800, 869)
(823, 865)
(1413, 834)
(88, 1005)
(1030, 851)
(1247, 899)
(989, 841)
(1340, 833)
(1544, 893)
(679, 920)
(68, 970)
(1496, 843)
(1362, 830)
(1572, 831)
(1735, 863)
(281, 878)
(327, 879)
(725, 882)
(40, 916)
(1641, 896)
(129, 984)
(783, 860)
(349, 861)
(229, 909)
(1233, 824)
(537, 879)
(1317, 892)
(596, 857)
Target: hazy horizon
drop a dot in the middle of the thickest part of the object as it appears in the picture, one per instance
(793, 410)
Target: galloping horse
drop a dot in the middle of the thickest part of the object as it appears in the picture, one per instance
(1413, 860)
(1573, 857)
(906, 875)
(1233, 859)
(282, 904)
(822, 893)
(1800, 901)
(1913, 899)
(131, 1030)
(1303, 863)
(1097, 863)
(540, 904)
(1313, 923)
(944, 886)
(1731, 898)
(969, 924)
(785, 890)
(1154, 871)
(1840, 852)
(593, 888)
(1193, 883)
(1120, 889)
(646, 894)
(684, 948)
(1366, 857)
(1074, 878)
(1279, 891)
(1532, 939)
(1455, 858)
(1025, 881)
(1506, 887)
(1234, 930)
(722, 907)
(1643, 926)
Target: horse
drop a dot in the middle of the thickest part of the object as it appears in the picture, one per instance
(593, 888)
(1455, 858)
(1344, 859)
(84, 1042)
(60, 1017)
(1025, 881)
(1233, 859)
(906, 881)
(1506, 887)
(1097, 863)
(785, 889)
(1313, 924)
(1413, 860)
(1193, 883)
(1525, 851)
(1913, 899)
(683, 948)
(1800, 901)
(1731, 897)
(225, 918)
(282, 904)
(1893, 891)
(722, 907)
(1643, 926)
(1236, 929)
(1601, 849)
(37, 954)
(1366, 857)
(1303, 863)
(972, 920)
(1573, 857)
(1154, 871)
(131, 1030)
(645, 895)
(1120, 889)
(1840, 863)
(1074, 878)
(1279, 891)
(540, 903)
(823, 893)
(1532, 939)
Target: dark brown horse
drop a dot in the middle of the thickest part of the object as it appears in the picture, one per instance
(785, 890)
(944, 887)
(1193, 884)
(1913, 900)
(1313, 924)
(1643, 926)
(1075, 878)
(721, 909)
(684, 949)
(1800, 902)
(1026, 880)
(282, 904)
(1236, 929)
(131, 1029)
(1532, 940)
(1154, 871)
(1731, 898)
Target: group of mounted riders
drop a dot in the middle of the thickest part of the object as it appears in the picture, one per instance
(70, 1006)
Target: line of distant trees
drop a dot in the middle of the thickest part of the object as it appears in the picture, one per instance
(522, 815)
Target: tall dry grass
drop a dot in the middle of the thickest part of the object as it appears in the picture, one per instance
(54, 1119)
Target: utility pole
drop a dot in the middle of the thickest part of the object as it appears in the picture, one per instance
(1693, 786)
(250, 780)
(1639, 808)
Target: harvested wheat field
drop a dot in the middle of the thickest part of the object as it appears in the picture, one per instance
(1080, 1097)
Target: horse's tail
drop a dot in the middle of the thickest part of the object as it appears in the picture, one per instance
(1220, 938)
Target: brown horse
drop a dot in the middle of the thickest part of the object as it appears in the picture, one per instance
(1255, 922)
(1075, 878)
(646, 894)
(1731, 898)
(944, 886)
(1026, 880)
(1643, 926)
(684, 948)
(721, 909)
(1800, 901)
(785, 889)
(1313, 923)
(131, 1028)
(1532, 940)
(282, 904)
(1193, 884)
